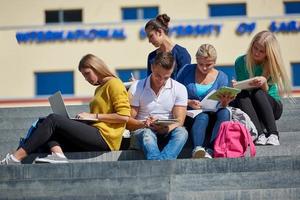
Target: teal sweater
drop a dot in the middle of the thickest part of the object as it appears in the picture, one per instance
(243, 74)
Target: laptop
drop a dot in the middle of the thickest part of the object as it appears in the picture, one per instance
(58, 107)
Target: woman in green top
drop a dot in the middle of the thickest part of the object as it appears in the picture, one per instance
(262, 103)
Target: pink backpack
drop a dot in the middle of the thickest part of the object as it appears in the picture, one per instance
(233, 140)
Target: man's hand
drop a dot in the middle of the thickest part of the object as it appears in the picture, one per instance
(160, 129)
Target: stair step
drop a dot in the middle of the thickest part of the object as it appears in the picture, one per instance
(147, 168)
(256, 194)
(156, 184)
(38, 111)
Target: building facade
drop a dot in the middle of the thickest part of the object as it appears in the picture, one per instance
(43, 41)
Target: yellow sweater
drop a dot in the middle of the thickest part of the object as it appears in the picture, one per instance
(111, 97)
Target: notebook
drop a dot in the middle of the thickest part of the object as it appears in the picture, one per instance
(224, 89)
(58, 107)
(245, 84)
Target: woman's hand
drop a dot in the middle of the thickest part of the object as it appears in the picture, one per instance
(85, 115)
(260, 82)
(225, 98)
(195, 104)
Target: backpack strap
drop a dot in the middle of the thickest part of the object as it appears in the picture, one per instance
(247, 135)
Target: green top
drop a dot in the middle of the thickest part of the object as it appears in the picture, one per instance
(243, 74)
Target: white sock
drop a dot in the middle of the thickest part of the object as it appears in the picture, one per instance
(61, 155)
(14, 158)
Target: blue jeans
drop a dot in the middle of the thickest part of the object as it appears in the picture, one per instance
(148, 141)
(201, 123)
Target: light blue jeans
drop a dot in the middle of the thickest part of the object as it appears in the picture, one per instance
(146, 139)
(200, 124)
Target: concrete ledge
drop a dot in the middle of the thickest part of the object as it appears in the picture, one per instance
(147, 168)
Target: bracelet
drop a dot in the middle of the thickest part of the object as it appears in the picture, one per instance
(97, 116)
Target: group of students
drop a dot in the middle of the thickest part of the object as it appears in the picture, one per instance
(173, 85)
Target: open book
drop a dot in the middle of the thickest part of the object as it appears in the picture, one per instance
(193, 113)
(245, 84)
(209, 104)
(222, 90)
(211, 100)
(206, 105)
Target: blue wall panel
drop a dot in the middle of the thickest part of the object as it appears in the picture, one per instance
(49, 82)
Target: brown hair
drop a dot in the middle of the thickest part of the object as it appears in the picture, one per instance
(95, 63)
(165, 60)
(160, 22)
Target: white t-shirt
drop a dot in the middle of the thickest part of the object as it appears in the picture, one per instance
(161, 105)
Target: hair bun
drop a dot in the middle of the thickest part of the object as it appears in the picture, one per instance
(163, 19)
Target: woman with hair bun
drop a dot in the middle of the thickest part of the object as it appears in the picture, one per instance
(157, 32)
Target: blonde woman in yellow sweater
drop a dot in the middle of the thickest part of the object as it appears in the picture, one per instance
(110, 106)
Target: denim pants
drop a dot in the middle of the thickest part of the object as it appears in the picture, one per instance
(148, 141)
(200, 124)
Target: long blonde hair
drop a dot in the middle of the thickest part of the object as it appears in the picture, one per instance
(95, 63)
(273, 66)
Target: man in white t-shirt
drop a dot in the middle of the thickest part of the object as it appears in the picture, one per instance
(158, 97)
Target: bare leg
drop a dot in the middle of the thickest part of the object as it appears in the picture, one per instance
(57, 149)
(20, 154)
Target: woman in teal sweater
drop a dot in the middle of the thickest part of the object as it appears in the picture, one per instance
(262, 103)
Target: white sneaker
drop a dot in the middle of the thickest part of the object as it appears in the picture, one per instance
(52, 158)
(207, 155)
(198, 152)
(273, 140)
(8, 160)
(261, 140)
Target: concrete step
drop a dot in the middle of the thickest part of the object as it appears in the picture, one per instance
(38, 111)
(146, 177)
(289, 146)
(289, 121)
(45, 187)
(147, 168)
(81, 188)
(236, 181)
(256, 194)
(93, 196)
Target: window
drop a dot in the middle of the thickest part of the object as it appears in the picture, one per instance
(295, 74)
(63, 16)
(292, 7)
(228, 70)
(139, 13)
(218, 10)
(49, 82)
(125, 74)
